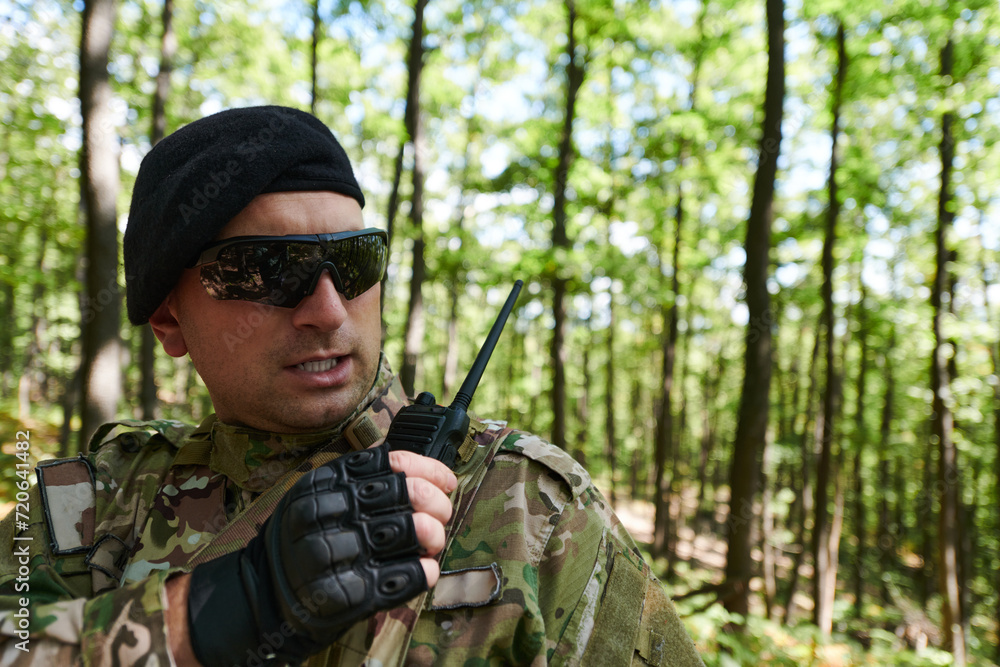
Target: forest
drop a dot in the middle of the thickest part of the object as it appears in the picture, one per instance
(760, 242)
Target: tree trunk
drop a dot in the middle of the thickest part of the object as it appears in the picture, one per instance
(710, 389)
(560, 237)
(751, 429)
(995, 349)
(662, 532)
(70, 399)
(637, 480)
(101, 314)
(860, 438)
(805, 495)
(796, 381)
(608, 208)
(995, 359)
(456, 274)
(6, 335)
(825, 422)
(829, 586)
(449, 378)
(24, 389)
(8, 332)
(705, 445)
(317, 30)
(168, 49)
(536, 381)
(610, 443)
(515, 370)
(767, 535)
(675, 489)
(947, 473)
(583, 403)
(414, 336)
(924, 509)
(886, 535)
(391, 210)
(665, 431)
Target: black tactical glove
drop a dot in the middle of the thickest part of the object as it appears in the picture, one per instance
(340, 546)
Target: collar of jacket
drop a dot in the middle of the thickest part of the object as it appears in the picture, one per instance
(254, 460)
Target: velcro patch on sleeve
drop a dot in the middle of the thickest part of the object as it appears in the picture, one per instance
(474, 587)
(107, 562)
(614, 640)
(67, 490)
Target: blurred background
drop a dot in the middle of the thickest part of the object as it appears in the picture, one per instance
(759, 241)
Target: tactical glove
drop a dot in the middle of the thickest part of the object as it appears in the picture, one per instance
(340, 546)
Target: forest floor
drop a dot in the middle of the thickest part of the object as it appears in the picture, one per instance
(700, 543)
(898, 635)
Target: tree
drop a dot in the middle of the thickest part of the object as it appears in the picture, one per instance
(168, 49)
(825, 568)
(662, 530)
(943, 424)
(101, 310)
(317, 30)
(414, 332)
(860, 440)
(751, 429)
(995, 363)
(560, 237)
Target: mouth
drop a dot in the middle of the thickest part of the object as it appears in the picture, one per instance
(320, 366)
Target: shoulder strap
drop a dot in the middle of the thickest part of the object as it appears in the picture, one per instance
(361, 433)
(133, 433)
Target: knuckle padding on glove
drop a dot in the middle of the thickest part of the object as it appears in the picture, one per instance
(339, 546)
(348, 546)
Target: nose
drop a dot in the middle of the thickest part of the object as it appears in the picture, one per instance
(323, 309)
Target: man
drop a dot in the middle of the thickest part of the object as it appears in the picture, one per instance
(279, 531)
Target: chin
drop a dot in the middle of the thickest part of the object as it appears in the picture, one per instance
(313, 421)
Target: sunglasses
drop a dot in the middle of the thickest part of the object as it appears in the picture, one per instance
(283, 270)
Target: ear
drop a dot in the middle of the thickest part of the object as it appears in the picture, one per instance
(168, 329)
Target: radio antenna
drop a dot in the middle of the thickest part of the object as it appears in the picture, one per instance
(464, 396)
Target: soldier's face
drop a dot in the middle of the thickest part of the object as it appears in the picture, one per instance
(287, 370)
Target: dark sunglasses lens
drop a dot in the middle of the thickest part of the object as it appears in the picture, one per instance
(280, 273)
(360, 263)
(246, 272)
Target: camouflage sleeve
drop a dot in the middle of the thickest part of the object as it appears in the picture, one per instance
(624, 616)
(51, 566)
(568, 586)
(600, 601)
(47, 616)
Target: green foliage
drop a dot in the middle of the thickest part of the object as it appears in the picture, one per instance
(769, 643)
(667, 125)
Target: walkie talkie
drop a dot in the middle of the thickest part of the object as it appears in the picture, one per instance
(437, 431)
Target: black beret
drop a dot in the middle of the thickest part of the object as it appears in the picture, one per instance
(197, 179)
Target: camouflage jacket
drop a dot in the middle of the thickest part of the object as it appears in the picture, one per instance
(537, 568)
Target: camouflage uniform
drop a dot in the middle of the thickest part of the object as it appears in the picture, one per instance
(537, 568)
